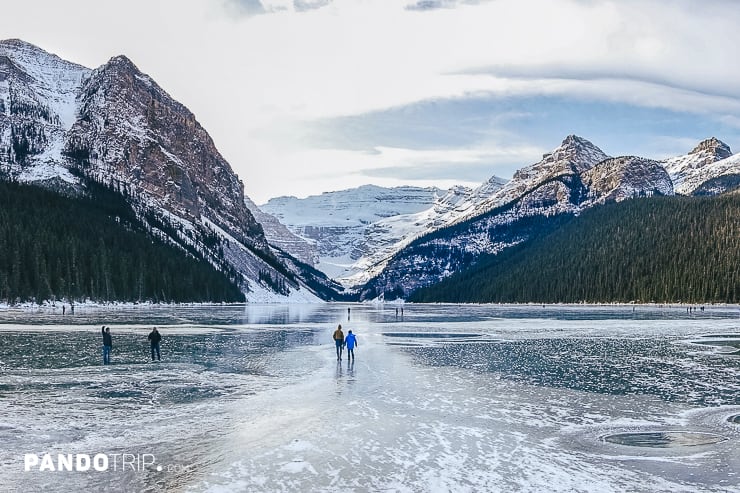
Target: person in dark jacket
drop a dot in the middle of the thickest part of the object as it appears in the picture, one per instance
(107, 344)
(154, 338)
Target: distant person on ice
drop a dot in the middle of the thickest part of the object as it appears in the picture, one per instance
(351, 341)
(338, 337)
(154, 338)
(107, 344)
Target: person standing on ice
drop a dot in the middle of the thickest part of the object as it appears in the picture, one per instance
(154, 338)
(338, 337)
(351, 341)
(107, 344)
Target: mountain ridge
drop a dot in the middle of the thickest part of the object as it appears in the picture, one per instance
(573, 177)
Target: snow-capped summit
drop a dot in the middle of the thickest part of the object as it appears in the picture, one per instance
(709, 168)
(354, 228)
(574, 155)
(713, 146)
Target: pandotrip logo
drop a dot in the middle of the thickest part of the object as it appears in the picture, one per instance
(136, 463)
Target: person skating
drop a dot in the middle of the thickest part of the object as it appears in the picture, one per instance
(351, 342)
(107, 344)
(154, 338)
(338, 337)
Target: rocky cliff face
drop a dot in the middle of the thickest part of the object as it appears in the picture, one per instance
(709, 169)
(114, 125)
(574, 176)
(131, 131)
(617, 179)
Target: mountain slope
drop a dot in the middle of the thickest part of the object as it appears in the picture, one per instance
(116, 126)
(348, 226)
(278, 235)
(662, 249)
(575, 176)
(54, 246)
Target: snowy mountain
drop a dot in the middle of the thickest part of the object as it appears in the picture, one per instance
(278, 235)
(356, 231)
(575, 176)
(573, 156)
(63, 125)
(709, 169)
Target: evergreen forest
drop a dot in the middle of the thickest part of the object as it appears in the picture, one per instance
(93, 246)
(660, 249)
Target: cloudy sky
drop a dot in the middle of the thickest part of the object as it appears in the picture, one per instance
(307, 96)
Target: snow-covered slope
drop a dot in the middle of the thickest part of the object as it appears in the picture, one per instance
(709, 169)
(356, 231)
(278, 235)
(62, 123)
(574, 176)
(344, 225)
(37, 108)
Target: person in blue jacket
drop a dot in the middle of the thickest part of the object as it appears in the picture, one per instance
(351, 342)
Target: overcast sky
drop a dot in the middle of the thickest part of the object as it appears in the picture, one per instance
(307, 96)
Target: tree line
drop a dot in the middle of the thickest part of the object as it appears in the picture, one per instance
(92, 246)
(661, 249)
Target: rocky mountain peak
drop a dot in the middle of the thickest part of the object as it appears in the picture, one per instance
(130, 130)
(574, 156)
(122, 64)
(715, 147)
(19, 43)
(576, 151)
(496, 181)
(39, 63)
(707, 162)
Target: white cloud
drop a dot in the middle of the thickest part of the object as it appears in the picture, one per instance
(257, 82)
(383, 166)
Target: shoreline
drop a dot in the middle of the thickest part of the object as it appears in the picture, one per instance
(51, 307)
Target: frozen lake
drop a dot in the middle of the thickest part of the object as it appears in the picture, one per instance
(445, 398)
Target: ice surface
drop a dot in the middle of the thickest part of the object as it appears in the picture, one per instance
(251, 398)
